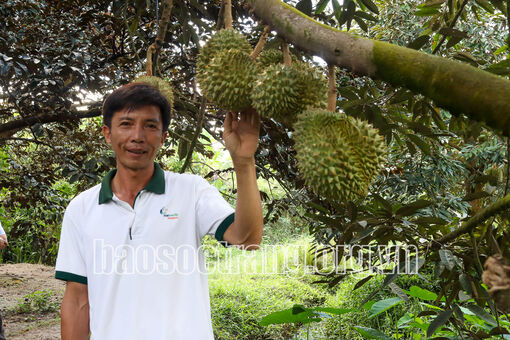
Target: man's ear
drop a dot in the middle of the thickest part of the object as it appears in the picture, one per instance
(165, 134)
(107, 134)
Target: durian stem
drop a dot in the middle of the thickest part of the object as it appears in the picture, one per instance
(332, 93)
(261, 43)
(155, 47)
(228, 14)
(287, 60)
(150, 52)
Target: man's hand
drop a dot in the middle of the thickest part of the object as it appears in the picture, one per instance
(241, 135)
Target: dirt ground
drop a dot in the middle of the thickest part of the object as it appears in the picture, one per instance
(21, 312)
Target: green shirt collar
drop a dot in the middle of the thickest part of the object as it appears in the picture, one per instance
(155, 185)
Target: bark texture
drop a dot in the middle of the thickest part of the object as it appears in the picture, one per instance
(457, 87)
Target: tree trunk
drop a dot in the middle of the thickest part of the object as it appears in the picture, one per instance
(457, 87)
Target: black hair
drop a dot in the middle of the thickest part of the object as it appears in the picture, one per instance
(133, 96)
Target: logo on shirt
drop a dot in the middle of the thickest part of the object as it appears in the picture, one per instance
(168, 215)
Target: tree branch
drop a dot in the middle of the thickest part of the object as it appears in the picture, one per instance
(200, 121)
(451, 25)
(154, 49)
(484, 214)
(10, 128)
(261, 43)
(455, 86)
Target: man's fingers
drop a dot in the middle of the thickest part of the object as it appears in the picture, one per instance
(227, 124)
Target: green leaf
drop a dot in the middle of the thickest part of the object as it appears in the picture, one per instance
(371, 333)
(419, 42)
(336, 311)
(305, 6)
(482, 314)
(362, 282)
(411, 208)
(485, 5)
(361, 23)
(370, 5)
(296, 314)
(501, 68)
(430, 220)
(422, 294)
(321, 6)
(426, 11)
(367, 16)
(465, 283)
(475, 195)
(439, 321)
(447, 258)
(501, 49)
(424, 147)
(384, 305)
(452, 32)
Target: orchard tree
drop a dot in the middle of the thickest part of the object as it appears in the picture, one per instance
(432, 77)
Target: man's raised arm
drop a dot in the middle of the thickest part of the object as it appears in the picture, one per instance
(241, 137)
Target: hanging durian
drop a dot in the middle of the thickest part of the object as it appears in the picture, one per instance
(337, 155)
(228, 79)
(164, 87)
(223, 40)
(282, 92)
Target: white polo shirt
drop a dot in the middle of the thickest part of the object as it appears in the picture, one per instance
(144, 267)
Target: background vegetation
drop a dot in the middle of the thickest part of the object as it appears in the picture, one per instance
(59, 58)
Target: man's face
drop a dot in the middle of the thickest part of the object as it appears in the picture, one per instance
(136, 136)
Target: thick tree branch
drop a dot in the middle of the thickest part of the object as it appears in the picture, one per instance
(455, 86)
(484, 214)
(261, 43)
(10, 128)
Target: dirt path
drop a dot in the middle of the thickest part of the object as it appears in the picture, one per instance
(30, 299)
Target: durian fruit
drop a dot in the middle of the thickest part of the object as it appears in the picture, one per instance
(270, 56)
(229, 78)
(337, 155)
(223, 40)
(282, 92)
(164, 87)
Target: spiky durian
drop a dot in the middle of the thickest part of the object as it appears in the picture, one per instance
(164, 87)
(229, 78)
(313, 85)
(270, 56)
(223, 40)
(337, 155)
(282, 92)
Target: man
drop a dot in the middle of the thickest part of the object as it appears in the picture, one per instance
(129, 248)
(3, 244)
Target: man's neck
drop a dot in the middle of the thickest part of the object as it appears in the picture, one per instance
(127, 183)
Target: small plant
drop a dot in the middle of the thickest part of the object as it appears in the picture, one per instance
(38, 301)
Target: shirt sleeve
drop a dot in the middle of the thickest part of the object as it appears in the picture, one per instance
(70, 261)
(213, 214)
(2, 231)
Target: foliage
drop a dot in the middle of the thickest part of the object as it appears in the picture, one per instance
(57, 60)
(39, 301)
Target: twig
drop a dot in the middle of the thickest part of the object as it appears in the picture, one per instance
(287, 60)
(200, 121)
(452, 23)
